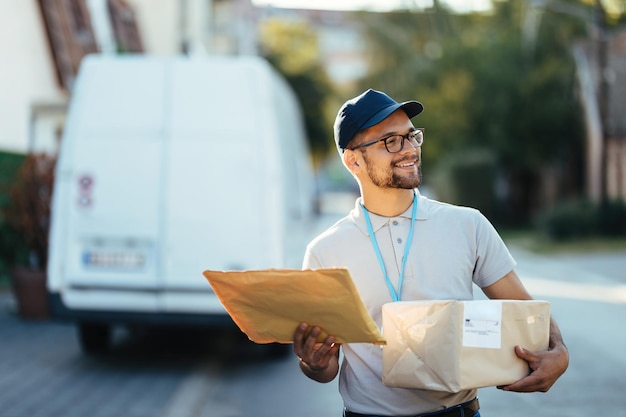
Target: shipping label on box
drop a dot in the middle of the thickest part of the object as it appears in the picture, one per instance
(448, 345)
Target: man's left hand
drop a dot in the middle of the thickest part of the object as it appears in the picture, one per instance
(546, 367)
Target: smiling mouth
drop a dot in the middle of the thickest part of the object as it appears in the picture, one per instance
(407, 164)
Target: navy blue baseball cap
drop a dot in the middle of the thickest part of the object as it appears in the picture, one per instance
(367, 110)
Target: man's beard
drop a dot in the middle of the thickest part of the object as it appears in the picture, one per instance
(389, 179)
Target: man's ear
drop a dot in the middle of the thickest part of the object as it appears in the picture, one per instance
(351, 161)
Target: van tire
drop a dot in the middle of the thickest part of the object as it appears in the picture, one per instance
(94, 337)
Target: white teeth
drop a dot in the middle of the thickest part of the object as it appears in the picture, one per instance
(408, 164)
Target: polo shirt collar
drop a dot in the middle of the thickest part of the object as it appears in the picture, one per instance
(358, 218)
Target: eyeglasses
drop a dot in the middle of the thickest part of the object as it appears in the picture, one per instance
(395, 143)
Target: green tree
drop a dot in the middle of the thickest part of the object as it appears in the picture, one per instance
(291, 47)
(484, 88)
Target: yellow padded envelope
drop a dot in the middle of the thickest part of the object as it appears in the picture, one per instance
(268, 305)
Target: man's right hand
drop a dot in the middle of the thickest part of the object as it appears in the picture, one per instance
(318, 361)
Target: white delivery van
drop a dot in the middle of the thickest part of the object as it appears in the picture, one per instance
(168, 167)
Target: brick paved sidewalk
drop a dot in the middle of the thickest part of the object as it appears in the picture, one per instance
(43, 373)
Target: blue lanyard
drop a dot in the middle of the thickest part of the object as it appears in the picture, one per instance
(395, 295)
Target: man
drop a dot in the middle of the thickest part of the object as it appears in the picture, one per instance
(400, 245)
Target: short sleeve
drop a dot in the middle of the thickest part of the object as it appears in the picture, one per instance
(493, 259)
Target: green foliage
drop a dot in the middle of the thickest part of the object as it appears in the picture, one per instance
(27, 213)
(468, 178)
(12, 245)
(534, 241)
(485, 83)
(568, 220)
(291, 47)
(612, 218)
(583, 219)
(614, 10)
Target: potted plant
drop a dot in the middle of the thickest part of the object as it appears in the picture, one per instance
(28, 214)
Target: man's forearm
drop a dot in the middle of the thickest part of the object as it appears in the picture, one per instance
(556, 340)
(556, 344)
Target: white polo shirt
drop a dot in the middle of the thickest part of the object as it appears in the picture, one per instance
(452, 247)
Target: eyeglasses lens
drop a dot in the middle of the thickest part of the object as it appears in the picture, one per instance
(396, 143)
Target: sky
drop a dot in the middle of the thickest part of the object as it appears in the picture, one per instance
(380, 5)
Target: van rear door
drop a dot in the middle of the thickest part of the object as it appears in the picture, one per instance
(110, 164)
(221, 180)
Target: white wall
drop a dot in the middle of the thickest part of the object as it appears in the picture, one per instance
(26, 74)
(159, 24)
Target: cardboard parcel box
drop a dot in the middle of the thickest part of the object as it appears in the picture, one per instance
(457, 345)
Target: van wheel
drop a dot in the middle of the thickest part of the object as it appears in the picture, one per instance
(94, 337)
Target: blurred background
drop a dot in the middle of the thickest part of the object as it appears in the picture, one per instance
(524, 112)
(524, 118)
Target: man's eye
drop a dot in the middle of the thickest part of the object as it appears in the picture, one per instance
(392, 140)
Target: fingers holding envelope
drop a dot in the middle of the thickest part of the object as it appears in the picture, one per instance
(318, 360)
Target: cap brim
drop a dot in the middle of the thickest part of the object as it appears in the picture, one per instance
(411, 108)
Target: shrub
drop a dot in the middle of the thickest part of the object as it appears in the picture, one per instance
(468, 178)
(12, 246)
(28, 212)
(582, 218)
(612, 218)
